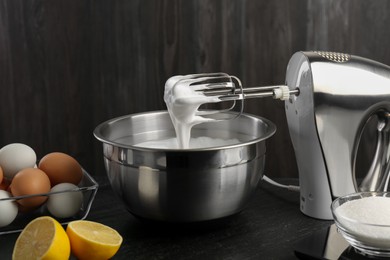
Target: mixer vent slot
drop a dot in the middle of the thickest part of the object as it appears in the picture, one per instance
(334, 56)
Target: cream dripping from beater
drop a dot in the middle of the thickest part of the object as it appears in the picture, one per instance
(182, 103)
(184, 95)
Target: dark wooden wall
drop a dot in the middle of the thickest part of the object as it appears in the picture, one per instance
(66, 66)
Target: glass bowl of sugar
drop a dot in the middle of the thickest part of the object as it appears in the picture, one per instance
(363, 219)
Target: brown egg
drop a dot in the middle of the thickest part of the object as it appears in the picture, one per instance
(1, 174)
(30, 181)
(61, 168)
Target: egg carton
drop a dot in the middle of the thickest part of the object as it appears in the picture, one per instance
(87, 187)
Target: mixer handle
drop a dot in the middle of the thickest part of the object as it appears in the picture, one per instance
(386, 174)
(378, 175)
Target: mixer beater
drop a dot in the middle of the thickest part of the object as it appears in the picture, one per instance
(209, 88)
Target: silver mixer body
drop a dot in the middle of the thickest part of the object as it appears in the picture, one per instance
(338, 94)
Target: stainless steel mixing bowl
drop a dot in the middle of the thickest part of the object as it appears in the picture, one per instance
(189, 185)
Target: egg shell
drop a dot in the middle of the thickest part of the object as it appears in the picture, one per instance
(61, 168)
(15, 157)
(65, 204)
(30, 181)
(8, 209)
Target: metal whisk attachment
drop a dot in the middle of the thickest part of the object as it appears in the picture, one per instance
(221, 87)
(281, 92)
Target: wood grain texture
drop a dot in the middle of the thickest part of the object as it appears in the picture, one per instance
(66, 66)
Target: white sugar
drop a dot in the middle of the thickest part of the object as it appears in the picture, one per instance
(366, 214)
(373, 210)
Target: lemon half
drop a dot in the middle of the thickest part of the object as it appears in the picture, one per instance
(92, 240)
(43, 238)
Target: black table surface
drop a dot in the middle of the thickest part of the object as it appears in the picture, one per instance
(268, 228)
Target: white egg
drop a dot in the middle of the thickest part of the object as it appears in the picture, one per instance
(65, 204)
(15, 157)
(8, 209)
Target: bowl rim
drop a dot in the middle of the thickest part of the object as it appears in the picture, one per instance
(98, 135)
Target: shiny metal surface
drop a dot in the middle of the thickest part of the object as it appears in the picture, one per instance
(377, 176)
(224, 87)
(338, 96)
(183, 185)
(227, 93)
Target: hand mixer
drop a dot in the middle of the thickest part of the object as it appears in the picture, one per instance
(329, 99)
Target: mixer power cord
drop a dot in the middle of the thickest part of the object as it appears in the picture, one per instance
(289, 187)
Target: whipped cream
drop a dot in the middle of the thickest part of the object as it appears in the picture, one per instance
(183, 102)
(194, 143)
